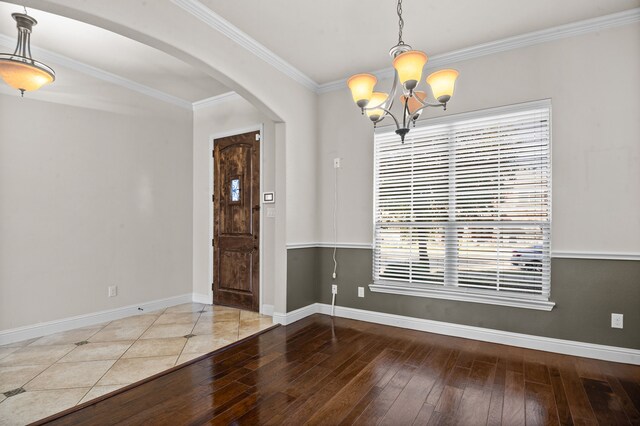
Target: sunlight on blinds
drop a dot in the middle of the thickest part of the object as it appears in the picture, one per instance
(466, 203)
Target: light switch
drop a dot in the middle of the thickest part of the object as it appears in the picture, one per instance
(271, 212)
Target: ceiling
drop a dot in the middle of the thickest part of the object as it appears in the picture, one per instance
(331, 39)
(327, 40)
(113, 53)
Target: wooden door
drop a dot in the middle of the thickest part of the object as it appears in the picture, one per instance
(236, 221)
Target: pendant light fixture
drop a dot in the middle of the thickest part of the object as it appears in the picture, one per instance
(19, 70)
(408, 66)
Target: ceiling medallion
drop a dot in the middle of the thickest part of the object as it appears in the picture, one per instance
(19, 70)
(408, 66)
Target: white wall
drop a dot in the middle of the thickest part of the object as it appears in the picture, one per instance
(91, 196)
(593, 82)
(226, 118)
(288, 103)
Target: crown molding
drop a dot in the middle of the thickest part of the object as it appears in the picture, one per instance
(47, 56)
(218, 23)
(524, 40)
(229, 30)
(216, 100)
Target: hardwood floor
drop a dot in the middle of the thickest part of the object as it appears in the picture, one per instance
(326, 371)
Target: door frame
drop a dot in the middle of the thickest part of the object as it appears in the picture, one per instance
(253, 128)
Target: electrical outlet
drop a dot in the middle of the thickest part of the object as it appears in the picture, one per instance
(360, 291)
(112, 291)
(334, 289)
(616, 320)
(336, 163)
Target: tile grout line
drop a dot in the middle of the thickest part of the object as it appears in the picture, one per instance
(159, 313)
(120, 357)
(191, 332)
(48, 367)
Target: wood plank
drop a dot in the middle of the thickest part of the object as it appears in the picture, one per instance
(481, 374)
(540, 405)
(424, 415)
(410, 401)
(536, 372)
(343, 401)
(562, 406)
(576, 396)
(381, 402)
(630, 408)
(513, 412)
(606, 405)
(494, 416)
(633, 391)
(474, 407)
(337, 371)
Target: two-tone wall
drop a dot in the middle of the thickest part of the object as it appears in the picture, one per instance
(592, 81)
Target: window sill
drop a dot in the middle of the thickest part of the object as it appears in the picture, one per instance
(463, 296)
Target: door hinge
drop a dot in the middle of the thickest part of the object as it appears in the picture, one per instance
(257, 136)
(213, 242)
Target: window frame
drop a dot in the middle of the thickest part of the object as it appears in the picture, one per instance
(475, 295)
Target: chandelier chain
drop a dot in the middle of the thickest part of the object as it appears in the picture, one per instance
(400, 22)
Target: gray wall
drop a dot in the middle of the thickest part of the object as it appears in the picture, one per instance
(303, 278)
(585, 291)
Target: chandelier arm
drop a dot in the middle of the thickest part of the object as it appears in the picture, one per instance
(16, 51)
(28, 44)
(394, 90)
(389, 113)
(392, 97)
(419, 110)
(426, 104)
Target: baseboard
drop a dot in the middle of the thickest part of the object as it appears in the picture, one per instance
(548, 344)
(42, 329)
(293, 316)
(202, 298)
(267, 310)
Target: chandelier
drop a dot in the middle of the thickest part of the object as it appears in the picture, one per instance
(19, 70)
(408, 66)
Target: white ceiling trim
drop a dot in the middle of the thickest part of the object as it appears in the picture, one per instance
(47, 56)
(216, 100)
(529, 39)
(226, 28)
(220, 24)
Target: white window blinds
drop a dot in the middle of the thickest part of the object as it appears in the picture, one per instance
(465, 203)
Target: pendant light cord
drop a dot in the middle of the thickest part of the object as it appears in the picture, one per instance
(400, 22)
(335, 221)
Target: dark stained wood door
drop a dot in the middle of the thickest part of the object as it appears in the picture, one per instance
(236, 217)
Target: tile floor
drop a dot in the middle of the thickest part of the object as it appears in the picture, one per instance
(43, 376)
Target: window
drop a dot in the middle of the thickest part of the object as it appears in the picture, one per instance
(462, 209)
(235, 190)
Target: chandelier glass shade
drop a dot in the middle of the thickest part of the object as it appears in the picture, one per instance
(19, 70)
(361, 86)
(408, 65)
(377, 98)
